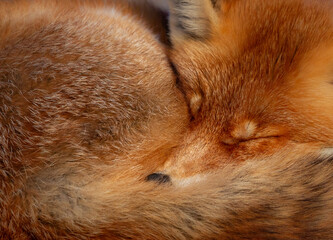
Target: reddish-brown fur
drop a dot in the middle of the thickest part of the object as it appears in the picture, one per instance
(257, 78)
(86, 92)
(89, 108)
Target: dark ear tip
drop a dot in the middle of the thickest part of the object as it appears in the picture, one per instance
(159, 178)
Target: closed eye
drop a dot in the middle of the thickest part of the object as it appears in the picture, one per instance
(234, 141)
(259, 138)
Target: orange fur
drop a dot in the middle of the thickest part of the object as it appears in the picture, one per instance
(257, 79)
(89, 107)
(86, 92)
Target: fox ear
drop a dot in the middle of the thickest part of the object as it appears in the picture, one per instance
(192, 19)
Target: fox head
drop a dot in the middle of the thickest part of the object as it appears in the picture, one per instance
(257, 76)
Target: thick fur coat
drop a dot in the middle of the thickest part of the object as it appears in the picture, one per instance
(89, 108)
(257, 76)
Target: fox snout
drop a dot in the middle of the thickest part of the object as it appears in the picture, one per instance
(196, 155)
(203, 151)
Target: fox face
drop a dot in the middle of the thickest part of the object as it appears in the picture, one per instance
(257, 76)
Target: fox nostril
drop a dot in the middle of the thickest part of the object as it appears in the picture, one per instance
(158, 177)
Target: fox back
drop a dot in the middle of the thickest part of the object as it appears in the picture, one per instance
(85, 92)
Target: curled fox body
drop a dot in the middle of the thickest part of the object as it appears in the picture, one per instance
(89, 107)
(86, 89)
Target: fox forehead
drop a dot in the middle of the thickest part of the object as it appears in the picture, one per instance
(256, 52)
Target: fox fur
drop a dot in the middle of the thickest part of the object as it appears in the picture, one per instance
(89, 108)
(87, 92)
(257, 76)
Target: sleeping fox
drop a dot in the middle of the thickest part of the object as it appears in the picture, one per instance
(257, 76)
(89, 108)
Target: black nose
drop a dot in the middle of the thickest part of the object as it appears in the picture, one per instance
(158, 177)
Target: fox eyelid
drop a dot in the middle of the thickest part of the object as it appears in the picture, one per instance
(230, 142)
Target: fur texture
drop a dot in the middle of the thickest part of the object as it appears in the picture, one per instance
(257, 77)
(89, 108)
(86, 92)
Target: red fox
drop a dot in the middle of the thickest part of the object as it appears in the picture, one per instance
(89, 108)
(257, 76)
